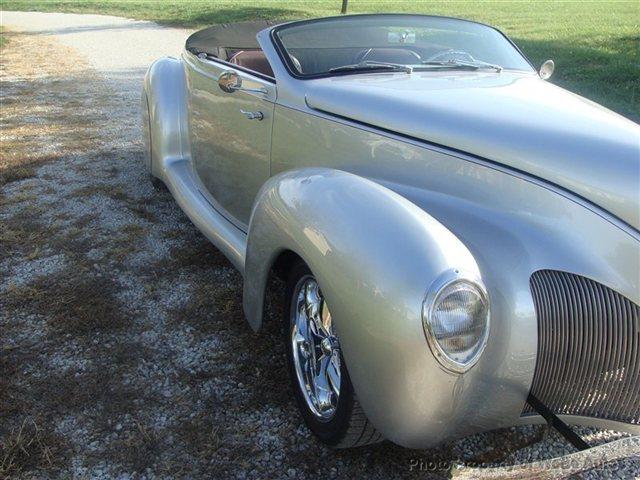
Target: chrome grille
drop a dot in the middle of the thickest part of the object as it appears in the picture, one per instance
(588, 348)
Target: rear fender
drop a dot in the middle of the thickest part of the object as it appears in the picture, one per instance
(164, 114)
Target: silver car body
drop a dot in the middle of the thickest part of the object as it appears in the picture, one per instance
(382, 182)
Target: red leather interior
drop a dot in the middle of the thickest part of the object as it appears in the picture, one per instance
(252, 60)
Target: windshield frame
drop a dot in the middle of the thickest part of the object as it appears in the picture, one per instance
(291, 69)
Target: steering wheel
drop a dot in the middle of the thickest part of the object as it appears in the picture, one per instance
(451, 55)
(392, 55)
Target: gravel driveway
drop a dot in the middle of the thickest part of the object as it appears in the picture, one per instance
(123, 348)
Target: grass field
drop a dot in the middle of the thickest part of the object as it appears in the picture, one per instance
(595, 44)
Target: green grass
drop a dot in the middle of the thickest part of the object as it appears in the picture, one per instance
(595, 44)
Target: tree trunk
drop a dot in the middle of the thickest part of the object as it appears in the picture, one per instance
(344, 6)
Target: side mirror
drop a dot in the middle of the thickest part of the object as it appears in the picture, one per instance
(546, 70)
(229, 81)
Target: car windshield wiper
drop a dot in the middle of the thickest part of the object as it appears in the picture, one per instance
(368, 65)
(458, 64)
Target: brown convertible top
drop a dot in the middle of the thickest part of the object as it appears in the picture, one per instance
(218, 40)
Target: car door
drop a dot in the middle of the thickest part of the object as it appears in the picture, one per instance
(230, 134)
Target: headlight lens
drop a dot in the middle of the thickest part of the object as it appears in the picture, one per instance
(456, 321)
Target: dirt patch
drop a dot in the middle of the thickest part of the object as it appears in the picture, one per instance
(43, 105)
(30, 447)
(74, 301)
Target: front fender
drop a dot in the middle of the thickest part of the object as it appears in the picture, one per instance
(375, 254)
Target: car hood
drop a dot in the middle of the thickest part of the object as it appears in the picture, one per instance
(517, 120)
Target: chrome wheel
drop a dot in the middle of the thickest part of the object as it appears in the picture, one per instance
(315, 348)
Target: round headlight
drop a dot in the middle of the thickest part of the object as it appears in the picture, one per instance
(456, 321)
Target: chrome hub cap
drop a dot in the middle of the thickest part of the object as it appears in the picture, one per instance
(316, 352)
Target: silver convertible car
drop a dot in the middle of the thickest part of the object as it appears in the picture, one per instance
(459, 237)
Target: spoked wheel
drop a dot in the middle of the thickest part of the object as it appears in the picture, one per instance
(320, 379)
(315, 350)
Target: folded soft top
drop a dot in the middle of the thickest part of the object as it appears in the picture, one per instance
(218, 40)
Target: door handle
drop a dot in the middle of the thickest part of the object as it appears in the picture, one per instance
(252, 115)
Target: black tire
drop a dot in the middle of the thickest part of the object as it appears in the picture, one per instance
(349, 426)
(158, 184)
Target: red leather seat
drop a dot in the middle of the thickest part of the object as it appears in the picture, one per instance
(252, 60)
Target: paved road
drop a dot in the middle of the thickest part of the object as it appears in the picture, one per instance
(124, 352)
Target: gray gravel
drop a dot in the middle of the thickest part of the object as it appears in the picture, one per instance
(124, 349)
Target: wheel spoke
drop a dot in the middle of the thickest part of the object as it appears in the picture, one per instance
(302, 324)
(333, 373)
(325, 400)
(327, 384)
(312, 299)
(322, 379)
(326, 319)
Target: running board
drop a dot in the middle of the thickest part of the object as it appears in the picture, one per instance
(231, 241)
(553, 421)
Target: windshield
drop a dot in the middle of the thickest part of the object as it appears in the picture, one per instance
(359, 43)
